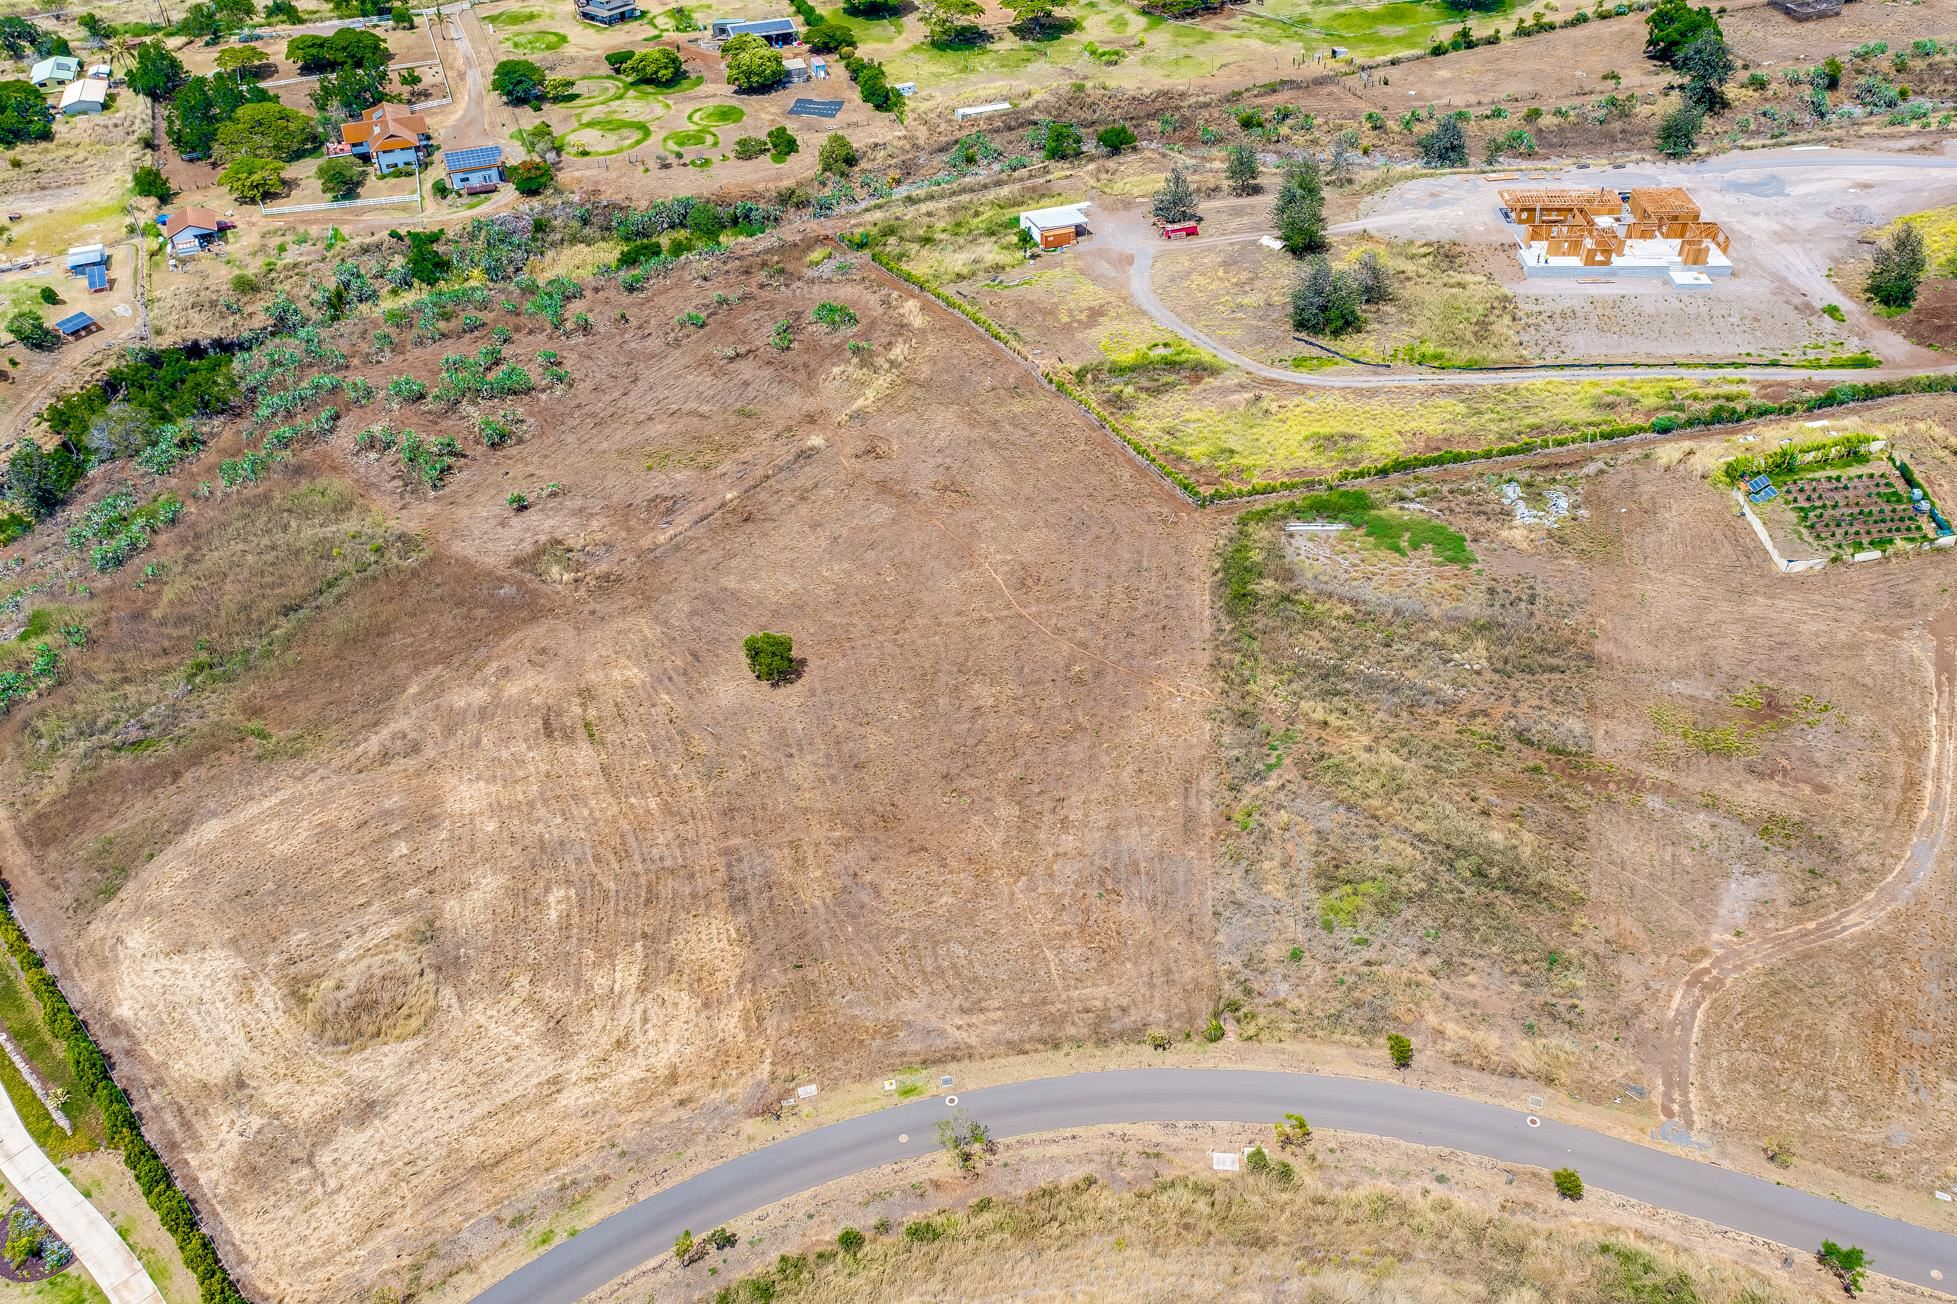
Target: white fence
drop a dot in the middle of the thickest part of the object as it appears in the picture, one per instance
(373, 201)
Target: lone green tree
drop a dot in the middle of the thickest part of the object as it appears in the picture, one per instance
(837, 155)
(1325, 301)
(1446, 146)
(770, 656)
(519, 81)
(1241, 170)
(1678, 131)
(1848, 1263)
(1300, 208)
(752, 64)
(1176, 200)
(1400, 1049)
(27, 327)
(1568, 1185)
(1898, 267)
(1707, 66)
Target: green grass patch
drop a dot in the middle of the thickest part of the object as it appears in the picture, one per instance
(610, 136)
(1833, 310)
(1939, 228)
(604, 89)
(657, 90)
(516, 17)
(1342, 906)
(1169, 354)
(688, 138)
(716, 115)
(21, 1014)
(537, 42)
(1312, 362)
(1395, 531)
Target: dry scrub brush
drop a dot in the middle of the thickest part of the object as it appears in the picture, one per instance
(1183, 1237)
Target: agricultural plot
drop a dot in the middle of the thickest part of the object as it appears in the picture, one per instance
(1855, 511)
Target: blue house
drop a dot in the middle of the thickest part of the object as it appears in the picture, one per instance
(476, 170)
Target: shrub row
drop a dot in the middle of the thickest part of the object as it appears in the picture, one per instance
(1717, 414)
(123, 1128)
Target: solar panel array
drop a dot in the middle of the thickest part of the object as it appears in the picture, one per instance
(96, 276)
(476, 156)
(815, 108)
(74, 323)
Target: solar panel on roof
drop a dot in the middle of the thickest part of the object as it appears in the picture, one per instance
(476, 156)
(97, 277)
(815, 108)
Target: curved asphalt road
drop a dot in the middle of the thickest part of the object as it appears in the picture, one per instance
(1663, 1178)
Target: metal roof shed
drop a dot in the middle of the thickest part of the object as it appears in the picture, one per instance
(87, 255)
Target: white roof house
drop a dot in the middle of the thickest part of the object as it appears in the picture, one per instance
(87, 255)
(1061, 217)
(55, 71)
(89, 95)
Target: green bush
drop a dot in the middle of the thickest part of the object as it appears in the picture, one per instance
(770, 656)
(1400, 1049)
(1568, 1185)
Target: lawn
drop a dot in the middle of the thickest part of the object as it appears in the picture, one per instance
(537, 42)
(21, 1014)
(599, 137)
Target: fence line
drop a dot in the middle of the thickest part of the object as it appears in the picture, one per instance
(371, 201)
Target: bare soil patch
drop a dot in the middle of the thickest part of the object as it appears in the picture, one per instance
(521, 869)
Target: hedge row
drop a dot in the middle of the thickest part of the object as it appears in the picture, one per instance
(1717, 414)
(124, 1129)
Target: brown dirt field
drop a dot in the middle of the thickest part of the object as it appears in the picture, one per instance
(482, 874)
(1591, 755)
(1933, 321)
(1845, 1049)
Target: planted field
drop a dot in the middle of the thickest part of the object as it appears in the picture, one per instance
(1855, 510)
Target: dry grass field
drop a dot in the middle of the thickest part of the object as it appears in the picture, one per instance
(474, 849)
(1507, 801)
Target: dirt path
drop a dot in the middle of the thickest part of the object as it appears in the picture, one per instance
(1705, 982)
(1122, 255)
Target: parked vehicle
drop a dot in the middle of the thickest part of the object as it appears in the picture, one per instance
(1179, 230)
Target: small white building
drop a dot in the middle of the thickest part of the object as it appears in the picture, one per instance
(89, 95)
(1058, 227)
(797, 70)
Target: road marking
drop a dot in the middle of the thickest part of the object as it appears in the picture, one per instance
(1534, 1121)
(1936, 1274)
(903, 1138)
(951, 1102)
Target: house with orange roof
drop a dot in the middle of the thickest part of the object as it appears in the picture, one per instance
(389, 136)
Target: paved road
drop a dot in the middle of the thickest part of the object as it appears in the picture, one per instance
(95, 1243)
(740, 1186)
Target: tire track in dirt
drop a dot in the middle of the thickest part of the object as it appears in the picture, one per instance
(1714, 975)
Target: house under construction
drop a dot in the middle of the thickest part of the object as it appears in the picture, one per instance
(1656, 231)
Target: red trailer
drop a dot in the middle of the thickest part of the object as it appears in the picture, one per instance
(1172, 230)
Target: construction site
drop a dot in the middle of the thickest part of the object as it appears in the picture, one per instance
(1651, 231)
